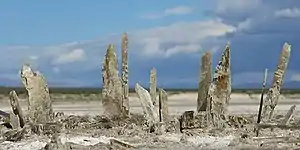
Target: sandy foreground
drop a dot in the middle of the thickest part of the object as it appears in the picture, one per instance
(178, 103)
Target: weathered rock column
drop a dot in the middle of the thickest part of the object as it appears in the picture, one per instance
(16, 109)
(163, 106)
(273, 94)
(40, 105)
(149, 110)
(205, 79)
(125, 98)
(152, 87)
(220, 89)
(111, 85)
(288, 115)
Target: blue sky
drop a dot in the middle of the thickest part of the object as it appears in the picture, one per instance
(66, 40)
(55, 22)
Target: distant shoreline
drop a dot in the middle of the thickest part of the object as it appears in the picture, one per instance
(88, 90)
(96, 90)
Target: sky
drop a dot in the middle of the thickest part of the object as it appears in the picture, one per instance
(66, 40)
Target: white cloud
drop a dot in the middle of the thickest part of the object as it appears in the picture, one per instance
(244, 25)
(14, 56)
(190, 48)
(295, 77)
(214, 49)
(56, 69)
(18, 47)
(33, 57)
(179, 10)
(253, 22)
(169, 40)
(159, 42)
(288, 13)
(73, 56)
(224, 6)
(163, 41)
(152, 16)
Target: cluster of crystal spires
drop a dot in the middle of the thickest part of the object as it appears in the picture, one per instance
(205, 79)
(40, 104)
(111, 56)
(111, 84)
(271, 100)
(220, 89)
(115, 90)
(125, 59)
(153, 86)
(223, 66)
(282, 63)
(125, 72)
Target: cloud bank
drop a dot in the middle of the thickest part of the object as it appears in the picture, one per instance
(256, 30)
(178, 10)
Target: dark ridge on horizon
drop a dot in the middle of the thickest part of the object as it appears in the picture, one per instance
(89, 90)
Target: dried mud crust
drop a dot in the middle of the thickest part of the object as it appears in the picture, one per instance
(228, 121)
(99, 122)
(102, 122)
(237, 134)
